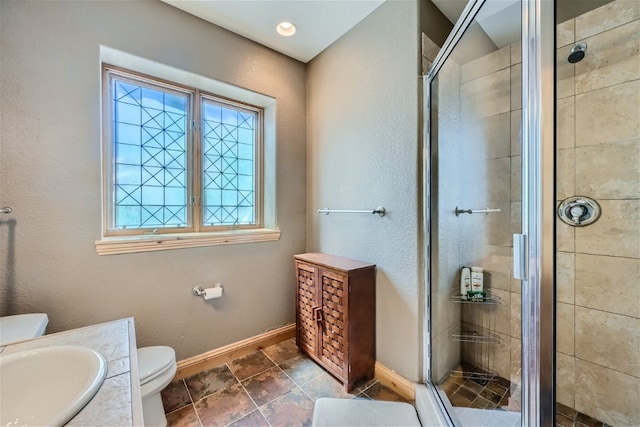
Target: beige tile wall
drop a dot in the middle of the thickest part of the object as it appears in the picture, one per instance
(598, 266)
(491, 110)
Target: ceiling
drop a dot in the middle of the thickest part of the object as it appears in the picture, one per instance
(319, 22)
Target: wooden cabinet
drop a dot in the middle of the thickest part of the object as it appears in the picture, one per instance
(336, 314)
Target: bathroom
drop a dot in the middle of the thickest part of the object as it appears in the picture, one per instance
(336, 147)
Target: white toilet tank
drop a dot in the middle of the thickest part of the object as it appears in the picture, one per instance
(22, 327)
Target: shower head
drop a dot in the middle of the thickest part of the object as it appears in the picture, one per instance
(577, 52)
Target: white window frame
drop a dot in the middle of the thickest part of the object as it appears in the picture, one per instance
(142, 240)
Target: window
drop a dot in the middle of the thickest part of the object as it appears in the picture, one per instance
(182, 166)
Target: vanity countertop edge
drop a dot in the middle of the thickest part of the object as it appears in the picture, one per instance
(118, 402)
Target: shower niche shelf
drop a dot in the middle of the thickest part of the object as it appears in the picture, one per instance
(489, 299)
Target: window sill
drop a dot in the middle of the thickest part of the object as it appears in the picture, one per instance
(133, 244)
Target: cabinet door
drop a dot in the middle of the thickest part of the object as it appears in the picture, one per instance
(307, 308)
(334, 320)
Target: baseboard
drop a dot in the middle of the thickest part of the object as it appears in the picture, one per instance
(394, 381)
(217, 357)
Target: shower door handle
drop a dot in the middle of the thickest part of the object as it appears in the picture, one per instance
(520, 258)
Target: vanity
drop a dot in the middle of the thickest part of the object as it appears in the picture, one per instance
(118, 402)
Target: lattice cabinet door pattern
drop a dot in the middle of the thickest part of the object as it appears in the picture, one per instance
(335, 314)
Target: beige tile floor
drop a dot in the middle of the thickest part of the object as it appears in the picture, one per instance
(276, 386)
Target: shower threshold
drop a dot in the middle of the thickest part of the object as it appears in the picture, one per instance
(473, 388)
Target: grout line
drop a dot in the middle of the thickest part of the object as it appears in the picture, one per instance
(192, 403)
(254, 402)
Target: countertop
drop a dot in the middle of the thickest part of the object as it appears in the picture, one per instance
(118, 401)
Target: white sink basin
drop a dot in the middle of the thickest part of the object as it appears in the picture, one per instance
(48, 386)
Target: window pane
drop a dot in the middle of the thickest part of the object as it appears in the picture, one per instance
(149, 142)
(228, 146)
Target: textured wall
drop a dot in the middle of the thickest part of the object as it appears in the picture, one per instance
(362, 135)
(50, 173)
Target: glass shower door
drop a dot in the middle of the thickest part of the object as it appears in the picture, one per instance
(598, 222)
(475, 208)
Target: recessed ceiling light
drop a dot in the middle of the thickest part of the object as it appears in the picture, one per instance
(286, 28)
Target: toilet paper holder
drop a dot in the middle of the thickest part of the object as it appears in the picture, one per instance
(199, 292)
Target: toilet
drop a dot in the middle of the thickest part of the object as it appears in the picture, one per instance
(156, 368)
(22, 327)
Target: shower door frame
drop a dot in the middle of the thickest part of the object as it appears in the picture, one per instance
(537, 254)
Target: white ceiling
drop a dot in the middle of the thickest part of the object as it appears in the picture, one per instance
(319, 22)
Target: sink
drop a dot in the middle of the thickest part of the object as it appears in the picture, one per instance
(49, 385)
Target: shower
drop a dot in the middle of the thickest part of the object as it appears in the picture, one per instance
(545, 167)
(577, 53)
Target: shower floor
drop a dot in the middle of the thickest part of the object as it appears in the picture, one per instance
(495, 394)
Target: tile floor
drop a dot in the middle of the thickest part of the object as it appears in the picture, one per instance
(494, 394)
(276, 386)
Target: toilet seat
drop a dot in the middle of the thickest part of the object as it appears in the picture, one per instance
(154, 361)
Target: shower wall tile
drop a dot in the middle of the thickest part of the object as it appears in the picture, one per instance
(566, 33)
(516, 361)
(516, 315)
(488, 95)
(608, 283)
(497, 135)
(612, 58)
(565, 235)
(616, 233)
(607, 395)
(516, 86)
(500, 171)
(516, 52)
(607, 17)
(607, 339)
(440, 360)
(565, 328)
(500, 357)
(426, 65)
(516, 120)
(496, 262)
(496, 231)
(429, 48)
(565, 173)
(566, 379)
(516, 179)
(608, 115)
(516, 286)
(486, 64)
(443, 319)
(501, 313)
(609, 171)
(565, 73)
(566, 123)
(516, 217)
(565, 277)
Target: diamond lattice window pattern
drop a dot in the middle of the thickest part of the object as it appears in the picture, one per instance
(150, 176)
(167, 174)
(228, 147)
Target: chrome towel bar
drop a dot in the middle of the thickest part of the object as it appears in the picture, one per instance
(459, 211)
(6, 210)
(379, 210)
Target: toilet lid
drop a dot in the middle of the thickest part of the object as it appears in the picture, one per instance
(152, 360)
